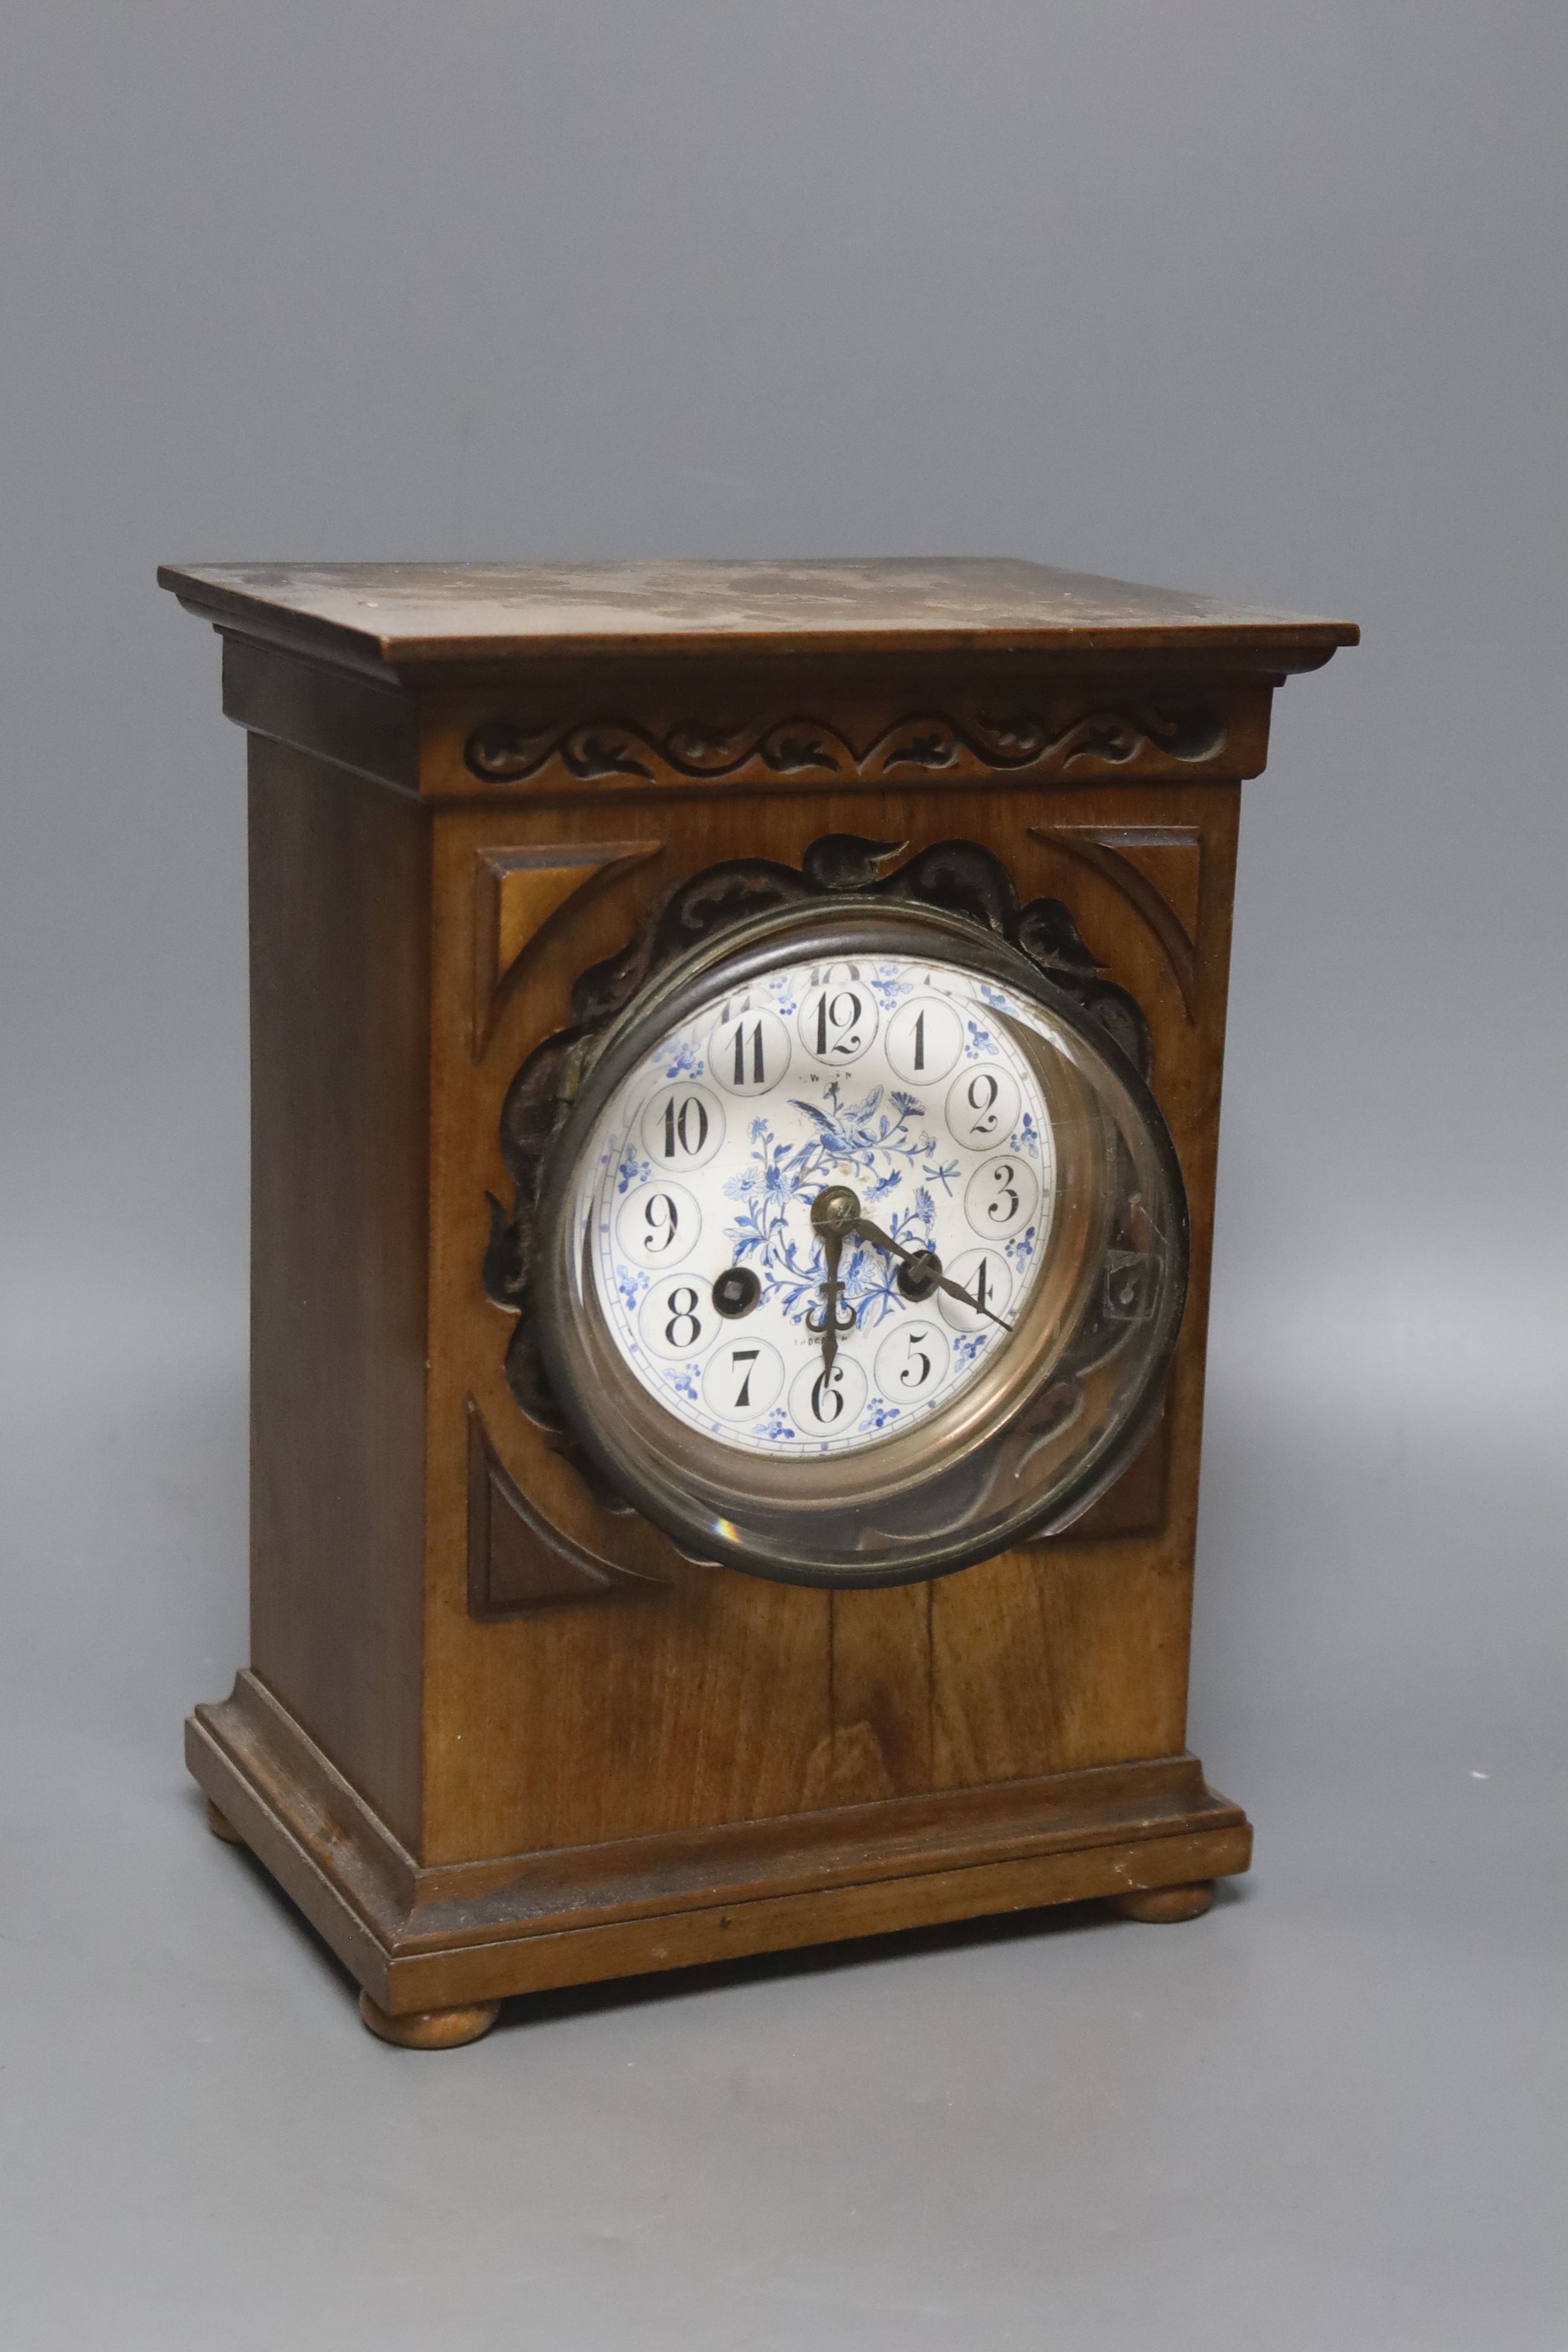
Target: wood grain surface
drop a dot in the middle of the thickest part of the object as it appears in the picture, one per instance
(416, 615)
(495, 1734)
(340, 928)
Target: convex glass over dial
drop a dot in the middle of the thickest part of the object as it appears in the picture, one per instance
(861, 1253)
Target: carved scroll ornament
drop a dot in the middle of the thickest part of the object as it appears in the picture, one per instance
(805, 748)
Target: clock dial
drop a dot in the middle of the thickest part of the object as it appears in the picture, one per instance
(860, 1248)
(894, 1085)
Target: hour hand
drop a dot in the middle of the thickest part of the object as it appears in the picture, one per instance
(835, 1315)
(833, 1214)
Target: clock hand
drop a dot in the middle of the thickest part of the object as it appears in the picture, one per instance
(832, 1250)
(832, 1215)
(929, 1260)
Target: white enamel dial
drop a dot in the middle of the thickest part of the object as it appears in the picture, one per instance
(892, 1077)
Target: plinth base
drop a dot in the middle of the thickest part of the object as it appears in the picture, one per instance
(1165, 1903)
(433, 1944)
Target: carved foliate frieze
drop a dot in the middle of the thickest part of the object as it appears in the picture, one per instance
(1080, 735)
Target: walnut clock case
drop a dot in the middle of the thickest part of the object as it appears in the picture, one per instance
(736, 1064)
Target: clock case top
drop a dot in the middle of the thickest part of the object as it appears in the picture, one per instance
(493, 1735)
(408, 619)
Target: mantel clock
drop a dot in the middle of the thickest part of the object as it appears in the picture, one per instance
(736, 1056)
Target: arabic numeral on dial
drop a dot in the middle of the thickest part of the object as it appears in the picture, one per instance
(823, 1403)
(749, 1054)
(983, 1105)
(659, 1224)
(838, 1020)
(675, 1319)
(683, 1127)
(678, 1134)
(1001, 1196)
(986, 1277)
(683, 1311)
(743, 1379)
(912, 1361)
(925, 1037)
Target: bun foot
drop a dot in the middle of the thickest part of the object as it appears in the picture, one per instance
(1166, 1902)
(221, 1826)
(430, 2029)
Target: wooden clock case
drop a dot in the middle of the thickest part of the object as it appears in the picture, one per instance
(494, 1736)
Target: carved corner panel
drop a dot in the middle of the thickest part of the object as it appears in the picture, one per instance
(1158, 869)
(517, 1558)
(517, 895)
(1135, 1505)
(538, 1535)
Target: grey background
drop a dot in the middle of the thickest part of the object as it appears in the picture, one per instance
(1259, 299)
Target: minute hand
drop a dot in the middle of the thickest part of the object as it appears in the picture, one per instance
(879, 1240)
